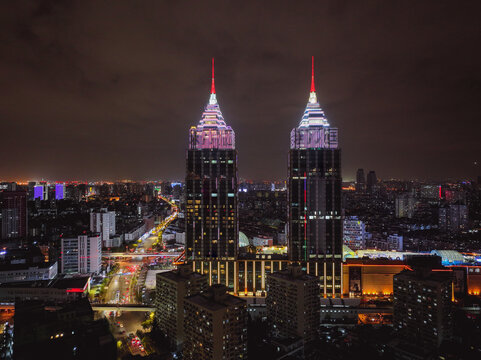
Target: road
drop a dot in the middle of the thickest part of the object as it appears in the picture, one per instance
(121, 289)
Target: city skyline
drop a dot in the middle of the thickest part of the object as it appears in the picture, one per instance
(393, 92)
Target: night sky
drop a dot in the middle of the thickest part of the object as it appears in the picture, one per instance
(108, 89)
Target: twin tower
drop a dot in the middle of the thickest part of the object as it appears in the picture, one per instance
(314, 201)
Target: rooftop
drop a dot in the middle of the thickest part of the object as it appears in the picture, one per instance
(215, 298)
(78, 283)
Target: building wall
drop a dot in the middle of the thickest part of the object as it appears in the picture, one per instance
(373, 279)
(315, 212)
(13, 214)
(32, 273)
(170, 294)
(212, 204)
(82, 254)
(293, 306)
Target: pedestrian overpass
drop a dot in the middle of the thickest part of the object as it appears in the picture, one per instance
(122, 307)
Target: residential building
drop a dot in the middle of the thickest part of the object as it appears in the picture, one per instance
(405, 206)
(354, 233)
(103, 222)
(293, 304)
(453, 218)
(81, 254)
(395, 242)
(423, 313)
(215, 325)
(171, 289)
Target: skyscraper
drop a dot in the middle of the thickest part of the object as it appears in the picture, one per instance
(59, 191)
(405, 205)
(360, 181)
(211, 188)
(13, 216)
(371, 182)
(315, 213)
(41, 191)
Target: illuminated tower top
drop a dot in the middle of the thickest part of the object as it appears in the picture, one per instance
(314, 130)
(212, 131)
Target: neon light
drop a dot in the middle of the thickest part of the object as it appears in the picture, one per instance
(75, 290)
(212, 89)
(313, 87)
(59, 191)
(38, 192)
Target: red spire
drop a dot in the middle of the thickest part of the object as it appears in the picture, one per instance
(212, 90)
(313, 87)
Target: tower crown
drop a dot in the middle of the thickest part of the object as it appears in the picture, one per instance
(313, 114)
(212, 132)
(314, 130)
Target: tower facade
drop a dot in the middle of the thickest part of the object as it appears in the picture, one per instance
(315, 212)
(211, 188)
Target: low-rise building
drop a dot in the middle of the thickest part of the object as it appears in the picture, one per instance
(59, 290)
(26, 272)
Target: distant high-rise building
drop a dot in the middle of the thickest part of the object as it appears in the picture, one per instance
(30, 190)
(81, 254)
(371, 182)
(395, 242)
(453, 218)
(422, 304)
(360, 181)
(431, 192)
(354, 233)
(211, 187)
(215, 325)
(405, 204)
(59, 191)
(103, 222)
(8, 186)
(293, 304)
(315, 210)
(13, 205)
(171, 289)
(40, 191)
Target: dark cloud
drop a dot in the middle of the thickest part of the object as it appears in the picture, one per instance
(107, 90)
